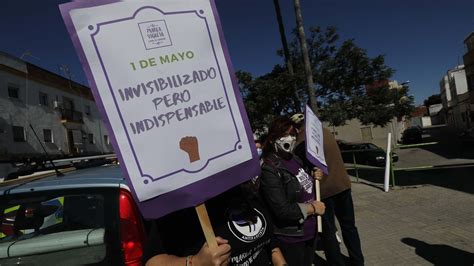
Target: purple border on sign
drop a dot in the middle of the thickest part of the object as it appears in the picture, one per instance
(316, 161)
(153, 179)
(195, 193)
(309, 156)
(167, 30)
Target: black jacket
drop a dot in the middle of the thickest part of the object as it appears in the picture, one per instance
(280, 189)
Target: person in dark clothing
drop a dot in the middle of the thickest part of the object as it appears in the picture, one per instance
(336, 194)
(239, 219)
(288, 190)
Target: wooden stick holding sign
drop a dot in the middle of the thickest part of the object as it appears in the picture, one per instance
(318, 198)
(315, 150)
(206, 226)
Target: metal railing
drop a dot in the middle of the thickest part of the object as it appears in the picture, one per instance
(393, 169)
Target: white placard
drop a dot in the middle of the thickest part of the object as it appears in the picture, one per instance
(163, 79)
(315, 140)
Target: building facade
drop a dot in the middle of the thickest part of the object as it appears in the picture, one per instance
(40, 108)
(436, 114)
(446, 100)
(354, 131)
(468, 59)
(457, 107)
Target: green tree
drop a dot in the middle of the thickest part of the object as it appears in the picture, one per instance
(268, 95)
(342, 72)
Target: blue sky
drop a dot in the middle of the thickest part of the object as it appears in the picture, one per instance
(421, 39)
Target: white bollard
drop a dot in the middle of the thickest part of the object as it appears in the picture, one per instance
(387, 162)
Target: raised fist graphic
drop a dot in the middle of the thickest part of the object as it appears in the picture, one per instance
(190, 145)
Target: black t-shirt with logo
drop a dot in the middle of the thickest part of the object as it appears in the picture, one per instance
(242, 220)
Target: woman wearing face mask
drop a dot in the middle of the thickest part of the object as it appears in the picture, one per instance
(288, 189)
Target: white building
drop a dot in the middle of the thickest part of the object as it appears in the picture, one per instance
(62, 113)
(447, 100)
(455, 99)
(354, 131)
(436, 115)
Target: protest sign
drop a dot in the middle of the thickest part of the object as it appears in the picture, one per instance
(315, 150)
(162, 78)
(314, 140)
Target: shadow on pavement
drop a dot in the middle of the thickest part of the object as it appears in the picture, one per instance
(460, 178)
(440, 254)
(449, 146)
(318, 260)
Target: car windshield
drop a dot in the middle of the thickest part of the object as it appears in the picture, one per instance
(350, 147)
(54, 227)
(372, 146)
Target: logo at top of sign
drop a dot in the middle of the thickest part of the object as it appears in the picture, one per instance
(155, 34)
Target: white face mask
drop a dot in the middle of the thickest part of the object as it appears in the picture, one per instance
(259, 152)
(286, 143)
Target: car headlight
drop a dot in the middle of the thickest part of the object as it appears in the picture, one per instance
(380, 158)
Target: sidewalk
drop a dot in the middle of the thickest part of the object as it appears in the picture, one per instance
(417, 225)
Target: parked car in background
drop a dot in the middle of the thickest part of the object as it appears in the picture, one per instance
(86, 217)
(364, 153)
(412, 135)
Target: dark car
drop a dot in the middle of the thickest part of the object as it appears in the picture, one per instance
(364, 153)
(412, 135)
(86, 217)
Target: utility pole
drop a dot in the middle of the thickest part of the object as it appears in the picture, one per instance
(286, 50)
(307, 65)
(281, 28)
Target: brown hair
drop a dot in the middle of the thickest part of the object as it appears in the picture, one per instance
(278, 128)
